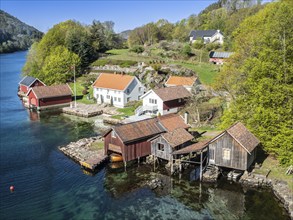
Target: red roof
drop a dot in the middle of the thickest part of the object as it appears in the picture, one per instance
(113, 81)
(172, 122)
(172, 93)
(51, 91)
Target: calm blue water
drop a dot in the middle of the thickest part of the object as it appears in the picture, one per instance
(48, 185)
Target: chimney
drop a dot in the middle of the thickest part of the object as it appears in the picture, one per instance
(186, 117)
(218, 31)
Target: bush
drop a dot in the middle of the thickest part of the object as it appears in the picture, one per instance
(84, 92)
(137, 49)
(212, 46)
(186, 50)
(198, 45)
(156, 67)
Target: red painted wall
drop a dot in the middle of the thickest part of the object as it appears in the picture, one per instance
(131, 151)
(25, 89)
(48, 101)
(173, 104)
(55, 100)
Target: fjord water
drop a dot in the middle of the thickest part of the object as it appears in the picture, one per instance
(48, 185)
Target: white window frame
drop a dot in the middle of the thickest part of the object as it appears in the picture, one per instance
(226, 154)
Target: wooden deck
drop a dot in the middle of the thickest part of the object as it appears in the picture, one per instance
(81, 152)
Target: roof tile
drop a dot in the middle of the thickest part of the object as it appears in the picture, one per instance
(113, 81)
(181, 81)
(52, 91)
(172, 93)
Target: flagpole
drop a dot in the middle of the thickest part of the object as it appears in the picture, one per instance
(74, 87)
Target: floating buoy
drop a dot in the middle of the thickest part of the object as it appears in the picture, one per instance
(11, 188)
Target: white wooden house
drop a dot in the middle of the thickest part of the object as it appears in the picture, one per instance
(117, 89)
(208, 36)
(163, 101)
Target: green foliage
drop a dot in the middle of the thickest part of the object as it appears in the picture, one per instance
(57, 66)
(186, 50)
(121, 63)
(136, 49)
(212, 46)
(198, 44)
(16, 35)
(260, 76)
(66, 44)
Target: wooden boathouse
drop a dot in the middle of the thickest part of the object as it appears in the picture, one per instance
(27, 83)
(133, 140)
(46, 97)
(234, 148)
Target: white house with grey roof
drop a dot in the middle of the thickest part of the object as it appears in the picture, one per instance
(208, 36)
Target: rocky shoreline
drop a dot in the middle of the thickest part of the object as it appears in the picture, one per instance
(280, 188)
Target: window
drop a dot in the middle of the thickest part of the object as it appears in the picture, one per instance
(108, 96)
(153, 101)
(161, 147)
(226, 154)
(179, 100)
(212, 154)
(107, 91)
(113, 134)
(127, 91)
(115, 99)
(119, 99)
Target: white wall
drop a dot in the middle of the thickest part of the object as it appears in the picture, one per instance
(218, 37)
(117, 97)
(152, 95)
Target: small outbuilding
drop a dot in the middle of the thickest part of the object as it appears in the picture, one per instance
(165, 144)
(188, 82)
(27, 83)
(234, 148)
(219, 57)
(46, 97)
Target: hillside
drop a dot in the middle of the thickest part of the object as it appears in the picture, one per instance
(16, 35)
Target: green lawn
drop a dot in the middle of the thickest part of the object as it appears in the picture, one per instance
(97, 145)
(205, 71)
(79, 96)
(125, 112)
(277, 172)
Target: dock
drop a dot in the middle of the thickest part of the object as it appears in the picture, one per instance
(88, 110)
(85, 154)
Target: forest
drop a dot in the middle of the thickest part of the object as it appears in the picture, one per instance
(16, 35)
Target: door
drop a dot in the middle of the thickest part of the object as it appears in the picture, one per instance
(211, 154)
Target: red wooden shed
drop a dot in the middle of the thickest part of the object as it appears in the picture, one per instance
(45, 97)
(28, 82)
(132, 140)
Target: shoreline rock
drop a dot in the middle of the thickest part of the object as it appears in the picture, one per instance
(280, 188)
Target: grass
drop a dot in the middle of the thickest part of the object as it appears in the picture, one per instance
(79, 96)
(205, 71)
(125, 112)
(97, 145)
(277, 172)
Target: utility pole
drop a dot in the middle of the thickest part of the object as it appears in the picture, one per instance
(74, 87)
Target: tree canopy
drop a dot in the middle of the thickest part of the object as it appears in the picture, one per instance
(66, 44)
(259, 78)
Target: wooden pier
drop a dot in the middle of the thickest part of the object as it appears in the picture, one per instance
(84, 153)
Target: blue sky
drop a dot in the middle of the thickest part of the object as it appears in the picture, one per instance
(126, 14)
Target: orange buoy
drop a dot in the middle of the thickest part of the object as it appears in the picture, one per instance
(11, 188)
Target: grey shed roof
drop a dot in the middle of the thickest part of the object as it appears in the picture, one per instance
(202, 33)
(27, 80)
(215, 54)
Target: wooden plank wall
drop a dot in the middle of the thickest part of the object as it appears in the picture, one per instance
(238, 155)
(166, 154)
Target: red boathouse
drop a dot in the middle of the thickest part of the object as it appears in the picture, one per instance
(45, 97)
(132, 140)
(27, 83)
